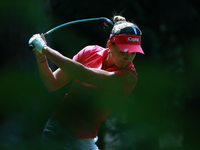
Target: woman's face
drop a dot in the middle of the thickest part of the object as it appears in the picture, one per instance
(119, 58)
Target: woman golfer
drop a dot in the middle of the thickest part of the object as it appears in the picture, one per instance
(102, 79)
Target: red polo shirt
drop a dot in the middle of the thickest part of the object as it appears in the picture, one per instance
(85, 106)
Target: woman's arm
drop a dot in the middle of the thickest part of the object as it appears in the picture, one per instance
(51, 80)
(78, 71)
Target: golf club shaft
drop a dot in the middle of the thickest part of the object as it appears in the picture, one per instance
(68, 23)
(106, 21)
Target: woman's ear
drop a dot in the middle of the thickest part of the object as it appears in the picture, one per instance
(109, 44)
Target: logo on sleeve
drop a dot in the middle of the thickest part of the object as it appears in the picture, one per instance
(129, 78)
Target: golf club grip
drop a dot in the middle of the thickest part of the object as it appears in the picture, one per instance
(31, 46)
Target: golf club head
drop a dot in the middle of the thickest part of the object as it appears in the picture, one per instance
(107, 23)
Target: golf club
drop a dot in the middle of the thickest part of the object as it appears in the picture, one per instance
(106, 22)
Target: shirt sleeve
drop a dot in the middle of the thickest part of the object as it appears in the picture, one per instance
(128, 79)
(85, 52)
(78, 57)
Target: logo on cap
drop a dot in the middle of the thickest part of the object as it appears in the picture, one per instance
(133, 39)
(126, 50)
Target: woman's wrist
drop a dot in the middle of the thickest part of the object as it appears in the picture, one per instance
(41, 59)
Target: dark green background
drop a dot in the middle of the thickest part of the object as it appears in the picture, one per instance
(163, 110)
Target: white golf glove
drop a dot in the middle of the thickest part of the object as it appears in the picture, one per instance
(38, 42)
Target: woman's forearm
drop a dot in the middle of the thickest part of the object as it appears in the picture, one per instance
(45, 73)
(78, 71)
(72, 68)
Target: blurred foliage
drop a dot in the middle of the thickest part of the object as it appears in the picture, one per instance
(163, 110)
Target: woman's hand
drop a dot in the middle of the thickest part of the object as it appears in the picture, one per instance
(41, 58)
(38, 41)
(42, 36)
